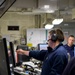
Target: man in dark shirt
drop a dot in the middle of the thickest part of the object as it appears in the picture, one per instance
(70, 45)
(54, 58)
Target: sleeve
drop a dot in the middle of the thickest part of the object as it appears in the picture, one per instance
(70, 68)
(58, 65)
(39, 55)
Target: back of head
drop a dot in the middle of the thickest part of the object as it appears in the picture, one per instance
(57, 34)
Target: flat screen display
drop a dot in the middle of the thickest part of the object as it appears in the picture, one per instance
(4, 58)
(42, 46)
(12, 57)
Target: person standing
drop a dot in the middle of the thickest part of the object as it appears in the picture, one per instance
(54, 58)
(70, 46)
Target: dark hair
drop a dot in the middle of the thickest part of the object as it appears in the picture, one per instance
(58, 35)
(71, 36)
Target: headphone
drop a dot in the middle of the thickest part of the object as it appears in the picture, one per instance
(54, 37)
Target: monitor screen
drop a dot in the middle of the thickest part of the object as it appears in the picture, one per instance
(12, 54)
(42, 46)
(4, 58)
(5, 5)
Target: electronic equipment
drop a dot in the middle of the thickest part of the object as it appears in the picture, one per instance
(12, 53)
(28, 68)
(57, 36)
(22, 58)
(4, 58)
(54, 37)
(42, 46)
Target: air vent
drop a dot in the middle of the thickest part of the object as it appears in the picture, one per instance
(13, 28)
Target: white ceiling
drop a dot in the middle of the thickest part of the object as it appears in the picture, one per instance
(37, 7)
(54, 4)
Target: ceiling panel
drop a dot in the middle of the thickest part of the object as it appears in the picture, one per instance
(37, 7)
(66, 4)
(52, 4)
(25, 4)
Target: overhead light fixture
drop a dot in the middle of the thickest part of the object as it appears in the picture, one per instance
(49, 26)
(48, 9)
(59, 18)
(57, 21)
(46, 6)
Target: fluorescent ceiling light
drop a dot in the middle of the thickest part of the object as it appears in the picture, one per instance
(46, 6)
(57, 21)
(49, 26)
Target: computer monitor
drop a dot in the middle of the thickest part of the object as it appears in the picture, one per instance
(13, 62)
(4, 58)
(22, 58)
(42, 46)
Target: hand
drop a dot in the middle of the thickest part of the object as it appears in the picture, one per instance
(20, 51)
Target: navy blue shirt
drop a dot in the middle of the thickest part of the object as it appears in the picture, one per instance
(70, 68)
(70, 50)
(54, 61)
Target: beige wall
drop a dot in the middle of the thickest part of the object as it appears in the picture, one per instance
(23, 21)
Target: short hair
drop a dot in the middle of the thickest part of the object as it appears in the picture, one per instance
(71, 36)
(59, 33)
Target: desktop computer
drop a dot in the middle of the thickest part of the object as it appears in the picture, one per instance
(42, 46)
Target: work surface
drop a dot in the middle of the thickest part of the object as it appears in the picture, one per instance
(27, 68)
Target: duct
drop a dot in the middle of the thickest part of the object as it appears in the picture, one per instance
(37, 21)
(46, 19)
(25, 4)
(65, 4)
(73, 13)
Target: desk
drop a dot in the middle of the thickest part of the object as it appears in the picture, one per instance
(21, 71)
(36, 72)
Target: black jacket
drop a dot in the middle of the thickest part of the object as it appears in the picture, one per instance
(70, 68)
(54, 61)
(70, 50)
